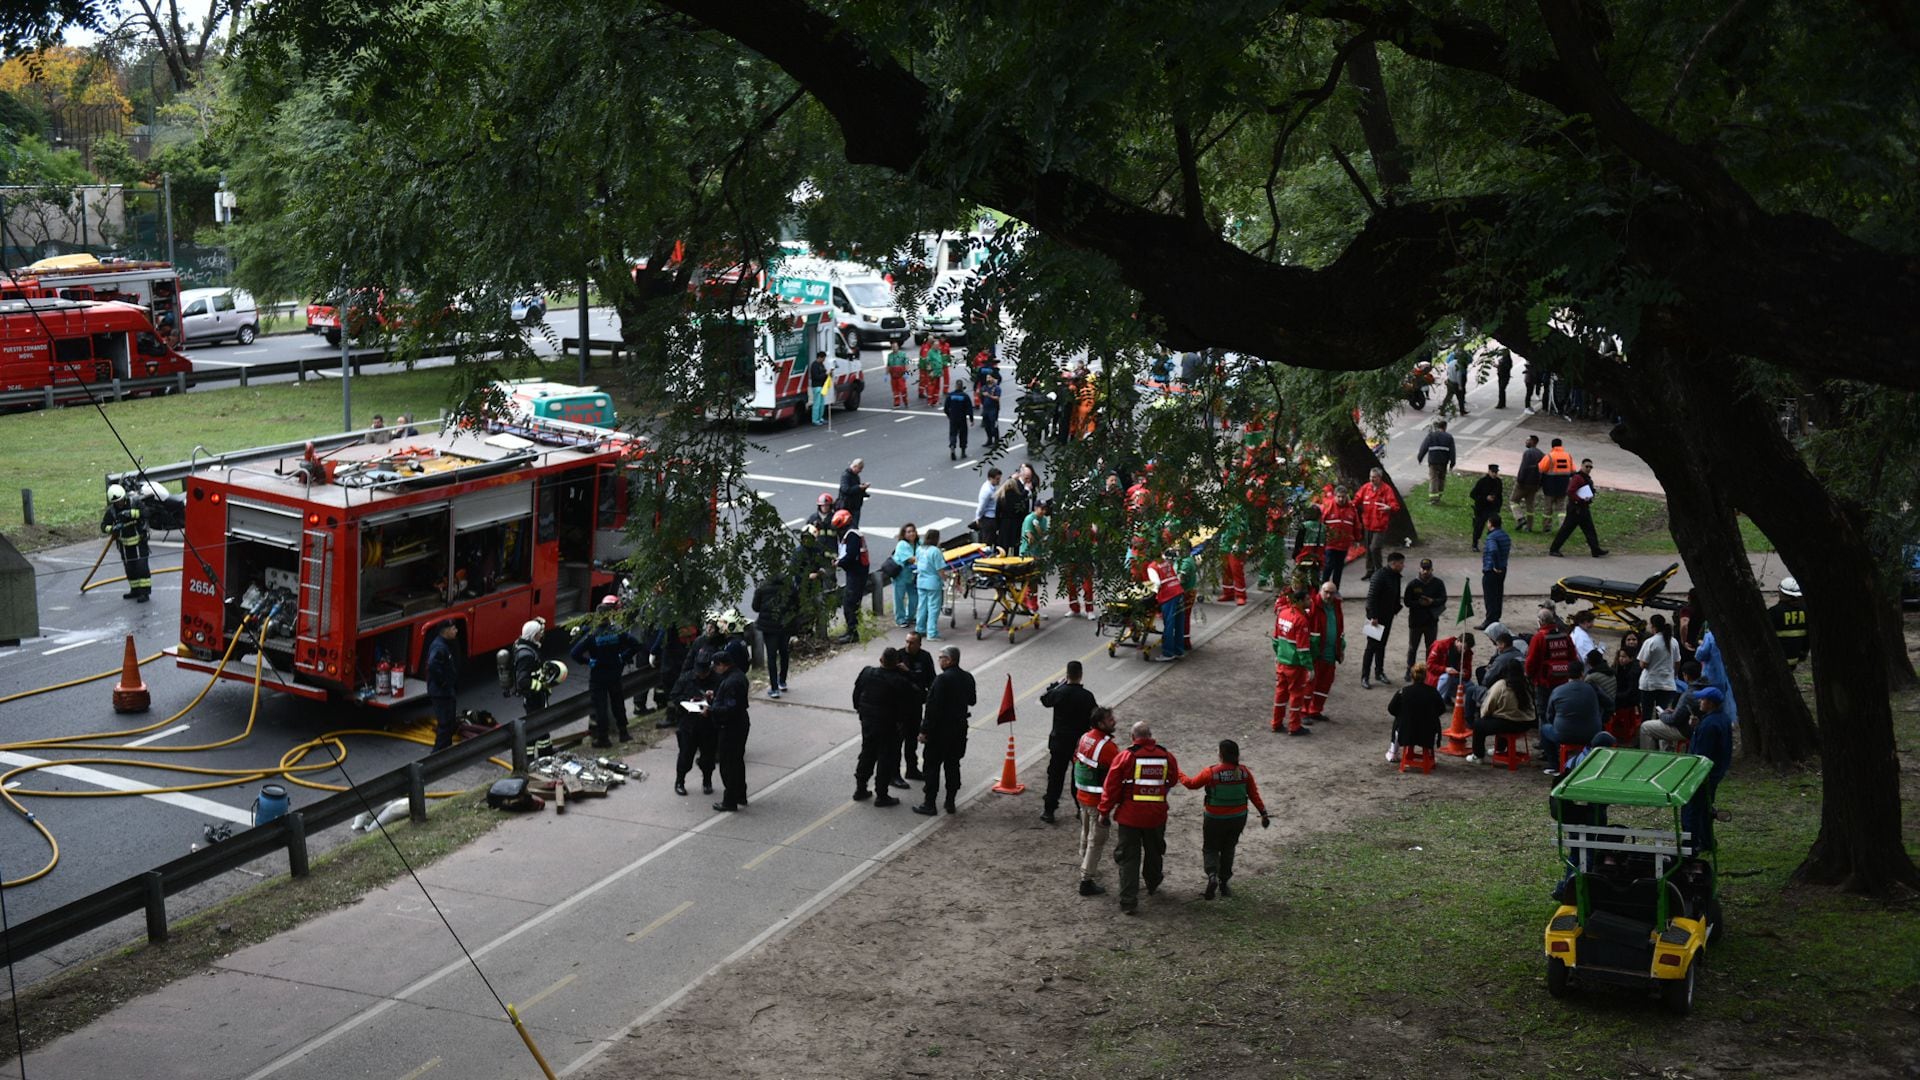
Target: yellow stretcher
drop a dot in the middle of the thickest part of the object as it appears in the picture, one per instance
(1131, 618)
(1016, 583)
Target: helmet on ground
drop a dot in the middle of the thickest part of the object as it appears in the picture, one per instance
(533, 629)
(842, 519)
(116, 493)
(1789, 587)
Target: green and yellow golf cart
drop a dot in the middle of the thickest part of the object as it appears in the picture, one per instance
(1640, 900)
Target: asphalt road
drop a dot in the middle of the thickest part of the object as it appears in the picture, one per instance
(105, 840)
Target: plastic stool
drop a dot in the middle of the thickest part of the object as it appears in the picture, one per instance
(1422, 754)
(1568, 750)
(1517, 753)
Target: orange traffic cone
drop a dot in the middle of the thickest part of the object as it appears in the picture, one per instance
(1460, 737)
(1009, 776)
(131, 695)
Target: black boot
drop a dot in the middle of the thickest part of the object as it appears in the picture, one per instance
(706, 785)
(950, 808)
(861, 794)
(1089, 888)
(680, 785)
(885, 799)
(926, 808)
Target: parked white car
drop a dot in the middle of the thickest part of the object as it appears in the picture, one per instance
(214, 315)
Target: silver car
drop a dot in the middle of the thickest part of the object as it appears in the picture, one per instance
(214, 315)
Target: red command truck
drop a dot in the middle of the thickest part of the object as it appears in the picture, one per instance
(65, 343)
(154, 286)
(354, 557)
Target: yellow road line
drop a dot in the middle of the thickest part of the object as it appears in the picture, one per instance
(547, 993)
(416, 1074)
(660, 922)
(796, 837)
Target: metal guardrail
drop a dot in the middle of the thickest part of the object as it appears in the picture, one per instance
(120, 389)
(148, 891)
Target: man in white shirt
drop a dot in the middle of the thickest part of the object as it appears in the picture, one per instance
(1583, 643)
(984, 519)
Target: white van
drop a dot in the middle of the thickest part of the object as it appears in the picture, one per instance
(213, 315)
(865, 310)
(939, 313)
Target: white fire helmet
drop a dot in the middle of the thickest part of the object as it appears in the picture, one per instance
(116, 493)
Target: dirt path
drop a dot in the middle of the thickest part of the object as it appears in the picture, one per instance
(963, 956)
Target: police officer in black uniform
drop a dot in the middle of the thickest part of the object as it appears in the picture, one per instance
(1072, 706)
(126, 523)
(729, 715)
(606, 650)
(699, 738)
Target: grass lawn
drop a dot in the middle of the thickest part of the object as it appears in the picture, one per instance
(62, 454)
(1411, 946)
(1628, 524)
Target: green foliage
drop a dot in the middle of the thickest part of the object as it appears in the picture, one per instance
(27, 161)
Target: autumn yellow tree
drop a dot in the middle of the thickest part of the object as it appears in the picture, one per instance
(64, 80)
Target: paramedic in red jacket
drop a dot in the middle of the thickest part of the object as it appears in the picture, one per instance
(1327, 629)
(1378, 502)
(1229, 787)
(1292, 662)
(1550, 659)
(1342, 523)
(1134, 797)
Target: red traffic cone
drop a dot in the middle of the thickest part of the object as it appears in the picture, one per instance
(131, 695)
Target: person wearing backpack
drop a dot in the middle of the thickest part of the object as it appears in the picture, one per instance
(526, 666)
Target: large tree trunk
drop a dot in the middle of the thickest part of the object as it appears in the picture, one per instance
(1353, 462)
(1860, 846)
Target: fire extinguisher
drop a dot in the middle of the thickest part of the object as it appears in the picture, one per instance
(397, 679)
(383, 679)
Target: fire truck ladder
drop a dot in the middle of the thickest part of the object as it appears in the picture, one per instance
(316, 576)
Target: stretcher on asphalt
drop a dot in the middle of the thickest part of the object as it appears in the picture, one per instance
(960, 560)
(1613, 601)
(1016, 582)
(1130, 618)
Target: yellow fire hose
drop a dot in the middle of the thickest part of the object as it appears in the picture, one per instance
(290, 768)
(89, 584)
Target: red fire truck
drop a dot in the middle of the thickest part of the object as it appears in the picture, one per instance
(355, 557)
(64, 343)
(154, 286)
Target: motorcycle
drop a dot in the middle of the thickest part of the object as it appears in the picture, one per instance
(1414, 386)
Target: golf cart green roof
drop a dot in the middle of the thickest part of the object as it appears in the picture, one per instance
(1616, 776)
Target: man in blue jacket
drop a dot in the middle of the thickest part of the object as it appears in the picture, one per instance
(443, 678)
(1713, 740)
(1493, 569)
(606, 650)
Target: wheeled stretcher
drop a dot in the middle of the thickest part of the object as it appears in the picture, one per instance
(1016, 582)
(1613, 601)
(1132, 618)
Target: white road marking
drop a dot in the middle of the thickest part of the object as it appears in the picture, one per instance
(797, 522)
(1016, 446)
(75, 645)
(158, 735)
(903, 419)
(797, 449)
(943, 523)
(851, 434)
(915, 480)
(111, 782)
(761, 478)
(565, 906)
(974, 464)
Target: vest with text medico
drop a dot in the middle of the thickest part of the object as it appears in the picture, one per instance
(1135, 791)
(1091, 760)
(1228, 790)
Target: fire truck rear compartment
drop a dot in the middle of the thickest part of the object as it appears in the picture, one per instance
(258, 575)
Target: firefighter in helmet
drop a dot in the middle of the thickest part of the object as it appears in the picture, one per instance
(126, 523)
